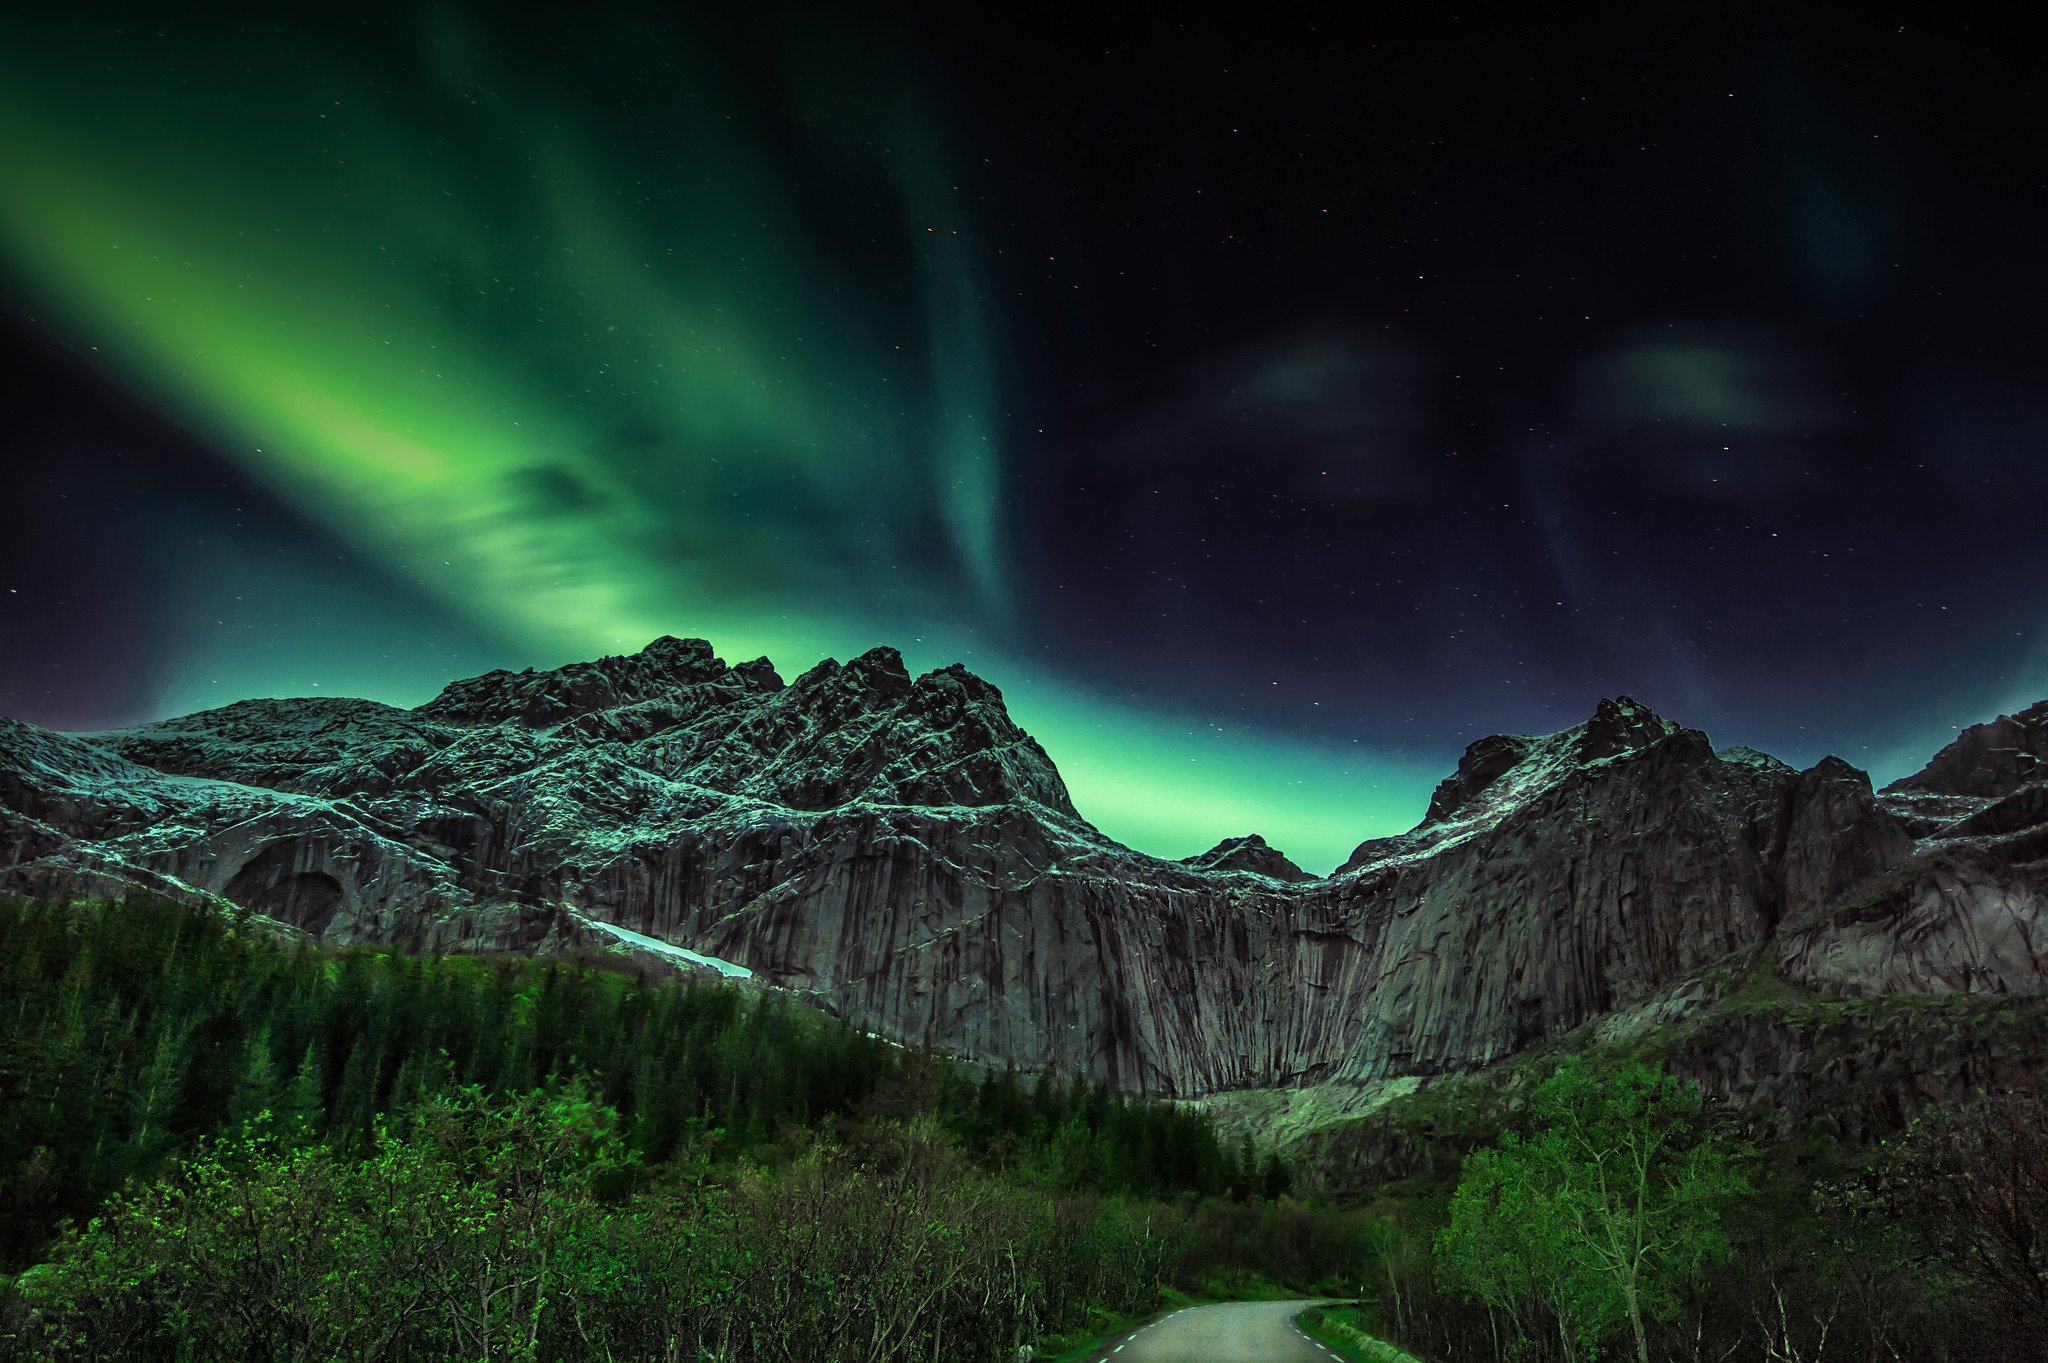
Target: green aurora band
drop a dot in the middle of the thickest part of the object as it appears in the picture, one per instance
(590, 376)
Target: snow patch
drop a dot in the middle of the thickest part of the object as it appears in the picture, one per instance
(641, 939)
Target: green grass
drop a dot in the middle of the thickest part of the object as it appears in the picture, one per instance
(1075, 1348)
(1343, 1328)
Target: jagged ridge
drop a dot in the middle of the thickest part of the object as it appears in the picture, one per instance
(898, 850)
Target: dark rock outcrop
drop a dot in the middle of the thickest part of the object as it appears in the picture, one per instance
(1250, 854)
(1987, 760)
(897, 850)
(1773, 1062)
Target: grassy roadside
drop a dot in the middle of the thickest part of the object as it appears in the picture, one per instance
(1343, 1329)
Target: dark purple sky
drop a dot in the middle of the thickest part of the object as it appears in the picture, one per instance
(1392, 379)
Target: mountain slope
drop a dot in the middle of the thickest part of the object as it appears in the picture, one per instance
(900, 852)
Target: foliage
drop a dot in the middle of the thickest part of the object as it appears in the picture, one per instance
(1346, 1332)
(264, 1152)
(480, 1229)
(481, 1234)
(130, 1030)
(261, 1247)
(1600, 1217)
(134, 1028)
(1841, 1254)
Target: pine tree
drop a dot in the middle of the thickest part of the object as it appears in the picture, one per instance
(256, 1091)
(1276, 1180)
(438, 1075)
(355, 1102)
(305, 1102)
(759, 1123)
(158, 1090)
(406, 1091)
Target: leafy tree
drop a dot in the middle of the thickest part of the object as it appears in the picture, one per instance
(1613, 1204)
(1389, 1245)
(1506, 1243)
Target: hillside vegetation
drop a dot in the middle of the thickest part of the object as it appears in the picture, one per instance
(220, 1145)
(1580, 1203)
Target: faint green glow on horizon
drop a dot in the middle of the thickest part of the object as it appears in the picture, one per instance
(584, 390)
(1177, 785)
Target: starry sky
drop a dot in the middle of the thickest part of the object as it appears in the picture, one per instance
(1270, 404)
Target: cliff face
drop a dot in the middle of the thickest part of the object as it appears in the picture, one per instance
(1776, 1061)
(1986, 761)
(1962, 911)
(897, 850)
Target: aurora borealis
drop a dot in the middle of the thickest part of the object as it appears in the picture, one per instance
(452, 330)
(468, 342)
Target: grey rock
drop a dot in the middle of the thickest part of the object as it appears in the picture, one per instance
(898, 851)
(1990, 759)
(1249, 854)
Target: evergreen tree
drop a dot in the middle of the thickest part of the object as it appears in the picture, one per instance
(407, 1089)
(156, 1100)
(256, 1091)
(133, 1028)
(1275, 1179)
(355, 1101)
(305, 1101)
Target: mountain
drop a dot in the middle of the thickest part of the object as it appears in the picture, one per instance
(899, 852)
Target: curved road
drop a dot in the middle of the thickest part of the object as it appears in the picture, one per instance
(1228, 1332)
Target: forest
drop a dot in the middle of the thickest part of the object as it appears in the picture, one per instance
(220, 1144)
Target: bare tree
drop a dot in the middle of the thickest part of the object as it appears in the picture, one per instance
(1977, 1176)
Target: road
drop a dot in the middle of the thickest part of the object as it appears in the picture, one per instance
(1228, 1332)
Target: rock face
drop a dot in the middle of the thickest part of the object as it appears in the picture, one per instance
(1247, 854)
(1963, 910)
(899, 852)
(1987, 760)
(1772, 1061)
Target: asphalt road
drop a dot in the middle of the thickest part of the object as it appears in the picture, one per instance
(1228, 1332)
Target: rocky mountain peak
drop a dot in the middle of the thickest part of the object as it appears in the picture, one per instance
(1616, 727)
(758, 675)
(874, 680)
(881, 671)
(1987, 760)
(1500, 773)
(669, 669)
(1621, 725)
(644, 729)
(865, 730)
(1249, 853)
(896, 849)
(1484, 763)
(683, 659)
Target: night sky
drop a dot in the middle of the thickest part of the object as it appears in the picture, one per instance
(1271, 406)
